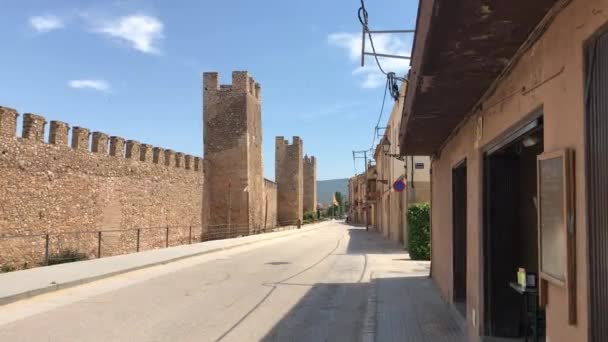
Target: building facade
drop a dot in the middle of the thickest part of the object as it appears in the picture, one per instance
(391, 205)
(518, 167)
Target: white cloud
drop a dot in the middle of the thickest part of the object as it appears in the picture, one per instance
(369, 75)
(142, 32)
(45, 23)
(99, 85)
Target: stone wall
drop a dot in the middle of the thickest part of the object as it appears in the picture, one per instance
(233, 156)
(289, 177)
(310, 184)
(270, 204)
(52, 188)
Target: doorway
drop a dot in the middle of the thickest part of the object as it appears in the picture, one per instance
(510, 227)
(459, 237)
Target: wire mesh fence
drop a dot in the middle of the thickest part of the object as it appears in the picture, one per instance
(33, 250)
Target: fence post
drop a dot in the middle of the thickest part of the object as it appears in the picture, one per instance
(167, 238)
(46, 249)
(299, 223)
(138, 234)
(190, 235)
(99, 244)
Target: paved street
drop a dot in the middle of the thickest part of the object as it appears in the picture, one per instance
(309, 287)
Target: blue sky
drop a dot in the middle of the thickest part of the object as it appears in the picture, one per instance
(133, 68)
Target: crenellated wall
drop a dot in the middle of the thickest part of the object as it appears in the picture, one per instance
(95, 183)
(289, 178)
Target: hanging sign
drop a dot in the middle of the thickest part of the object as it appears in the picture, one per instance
(399, 185)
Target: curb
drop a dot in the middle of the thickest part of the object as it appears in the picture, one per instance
(61, 286)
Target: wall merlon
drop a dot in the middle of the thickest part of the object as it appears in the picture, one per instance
(198, 164)
(179, 160)
(158, 155)
(258, 91)
(240, 81)
(169, 157)
(33, 127)
(58, 133)
(133, 150)
(8, 122)
(188, 159)
(80, 138)
(117, 147)
(146, 154)
(99, 143)
(210, 81)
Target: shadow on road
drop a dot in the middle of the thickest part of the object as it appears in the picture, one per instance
(369, 242)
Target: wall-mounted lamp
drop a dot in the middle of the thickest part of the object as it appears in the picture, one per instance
(386, 148)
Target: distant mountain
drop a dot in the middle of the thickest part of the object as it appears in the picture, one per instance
(327, 188)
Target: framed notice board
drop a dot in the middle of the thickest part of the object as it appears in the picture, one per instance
(556, 229)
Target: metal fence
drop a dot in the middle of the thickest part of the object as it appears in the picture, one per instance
(32, 250)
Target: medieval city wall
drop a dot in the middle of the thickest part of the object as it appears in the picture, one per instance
(310, 184)
(289, 178)
(270, 204)
(233, 154)
(70, 187)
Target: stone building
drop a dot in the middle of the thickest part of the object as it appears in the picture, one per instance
(310, 184)
(289, 173)
(233, 153)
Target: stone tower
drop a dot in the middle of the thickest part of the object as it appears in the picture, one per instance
(310, 183)
(289, 174)
(232, 137)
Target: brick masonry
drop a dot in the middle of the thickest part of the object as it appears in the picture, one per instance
(310, 184)
(53, 188)
(289, 178)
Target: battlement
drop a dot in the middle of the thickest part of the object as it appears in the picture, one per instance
(312, 161)
(241, 83)
(59, 132)
(282, 142)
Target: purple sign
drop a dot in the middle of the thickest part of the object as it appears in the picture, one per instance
(399, 185)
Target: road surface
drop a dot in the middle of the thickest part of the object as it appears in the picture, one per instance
(308, 287)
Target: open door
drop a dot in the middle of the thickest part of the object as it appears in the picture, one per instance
(459, 225)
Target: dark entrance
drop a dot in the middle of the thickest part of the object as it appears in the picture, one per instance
(459, 237)
(510, 227)
(597, 185)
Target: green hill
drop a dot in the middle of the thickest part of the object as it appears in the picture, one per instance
(327, 188)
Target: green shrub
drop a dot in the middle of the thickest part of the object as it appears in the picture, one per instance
(310, 216)
(7, 268)
(67, 255)
(419, 231)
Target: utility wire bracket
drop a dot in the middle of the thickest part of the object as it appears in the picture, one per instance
(365, 32)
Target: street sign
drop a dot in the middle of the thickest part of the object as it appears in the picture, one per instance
(399, 185)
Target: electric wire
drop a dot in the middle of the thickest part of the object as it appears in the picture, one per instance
(392, 78)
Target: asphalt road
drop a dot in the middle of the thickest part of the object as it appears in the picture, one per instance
(308, 287)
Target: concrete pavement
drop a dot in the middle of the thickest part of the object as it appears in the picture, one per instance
(313, 286)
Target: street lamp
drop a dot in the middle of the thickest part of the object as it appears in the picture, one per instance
(386, 148)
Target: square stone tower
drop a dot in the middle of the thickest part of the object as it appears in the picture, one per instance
(310, 184)
(232, 137)
(289, 174)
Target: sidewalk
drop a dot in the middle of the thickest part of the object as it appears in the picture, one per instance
(19, 285)
(408, 308)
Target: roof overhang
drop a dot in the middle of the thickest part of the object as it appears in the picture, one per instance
(460, 48)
